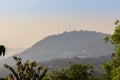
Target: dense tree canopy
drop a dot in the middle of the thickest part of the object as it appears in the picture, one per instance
(76, 71)
(113, 68)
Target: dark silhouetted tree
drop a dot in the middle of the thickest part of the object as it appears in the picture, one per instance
(2, 50)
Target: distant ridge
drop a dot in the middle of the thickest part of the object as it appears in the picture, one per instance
(68, 44)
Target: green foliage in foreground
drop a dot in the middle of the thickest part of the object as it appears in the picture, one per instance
(74, 72)
(112, 69)
(26, 71)
(30, 71)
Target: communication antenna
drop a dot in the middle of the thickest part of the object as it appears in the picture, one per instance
(79, 28)
(58, 30)
(69, 28)
(65, 29)
(73, 28)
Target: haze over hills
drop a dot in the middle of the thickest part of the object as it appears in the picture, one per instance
(64, 63)
(67, 44)
(11, 51)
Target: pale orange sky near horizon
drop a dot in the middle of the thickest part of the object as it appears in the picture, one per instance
(25, 23)
(22, 33)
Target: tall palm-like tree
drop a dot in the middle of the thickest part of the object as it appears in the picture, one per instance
(2, 50)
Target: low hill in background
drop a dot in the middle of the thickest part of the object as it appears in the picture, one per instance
(68, 44)
(55, 51)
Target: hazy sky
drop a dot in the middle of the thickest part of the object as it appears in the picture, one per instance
(24, 22)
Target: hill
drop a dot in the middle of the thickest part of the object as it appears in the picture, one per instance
(86, 47)
(67, 44)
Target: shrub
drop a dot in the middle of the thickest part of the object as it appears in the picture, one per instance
(25, 71)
